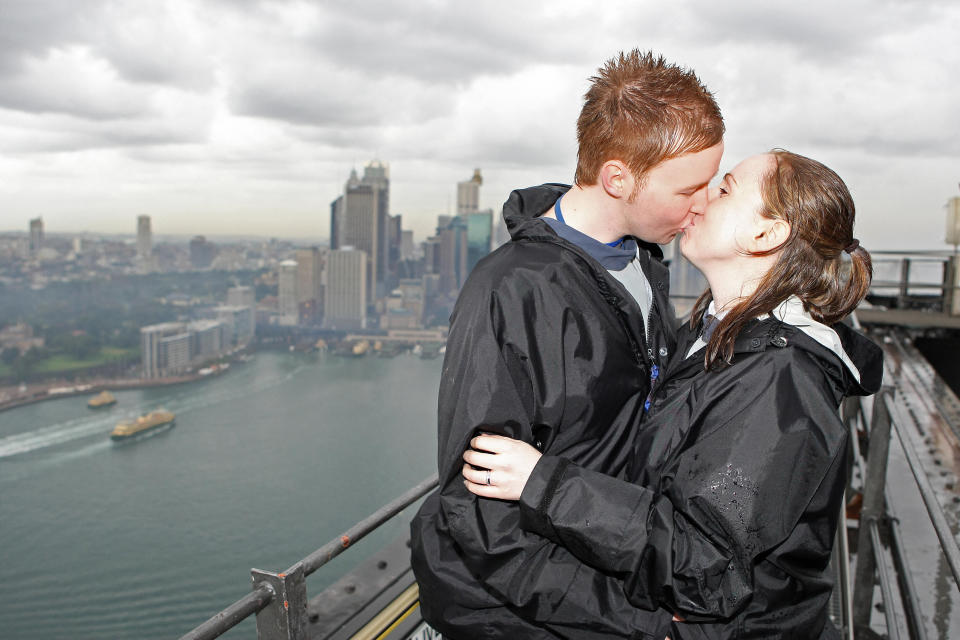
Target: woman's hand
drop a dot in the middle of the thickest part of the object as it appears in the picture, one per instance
(498, 467)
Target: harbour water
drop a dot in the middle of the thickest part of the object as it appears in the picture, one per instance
(145, 540)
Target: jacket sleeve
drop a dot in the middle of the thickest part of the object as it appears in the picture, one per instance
(496, 379)
(765, 454)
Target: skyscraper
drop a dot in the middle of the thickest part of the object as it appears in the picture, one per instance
(361, 221)
(468, 194)
(36, 235)
(144, 239)
(453, 256)
(345, 296)
(479, 228)
(336, 222)
(287, 293)
(309, 284)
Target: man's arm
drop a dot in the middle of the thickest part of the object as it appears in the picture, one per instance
(501, 371)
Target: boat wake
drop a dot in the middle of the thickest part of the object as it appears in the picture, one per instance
(88, 426)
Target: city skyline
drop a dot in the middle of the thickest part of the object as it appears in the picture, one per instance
(218, 118)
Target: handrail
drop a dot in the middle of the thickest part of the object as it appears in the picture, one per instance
(264, 593)
(948, 542)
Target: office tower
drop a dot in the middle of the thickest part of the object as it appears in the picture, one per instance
(345, 297)
(406, 245)
(453, 256)
(242, 296)
(479, 228)
(431, 254)
(394, 239)
(36, 235)
(309, 284)
(360, 208)
(377, 175)
(468, 194)
(202, 252)
(144, 238)
(162, 349)
(336, 222)
(287, 293)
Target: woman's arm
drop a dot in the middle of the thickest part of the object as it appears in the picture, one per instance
(734, 494)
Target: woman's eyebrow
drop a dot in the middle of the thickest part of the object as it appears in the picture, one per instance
(729, 176)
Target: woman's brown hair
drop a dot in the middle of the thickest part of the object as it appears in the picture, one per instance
(816, 204)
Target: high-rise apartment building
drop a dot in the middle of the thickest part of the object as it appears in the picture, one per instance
(36, 235)
(144, 239)
(162, 349)
(468, 194)
(287, 293)
(345, 297)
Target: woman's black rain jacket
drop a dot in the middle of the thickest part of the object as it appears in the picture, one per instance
(729, 516)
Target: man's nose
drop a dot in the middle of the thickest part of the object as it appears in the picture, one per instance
(698, 203)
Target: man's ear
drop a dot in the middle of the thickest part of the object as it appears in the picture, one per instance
(772, 233)
(616, 179)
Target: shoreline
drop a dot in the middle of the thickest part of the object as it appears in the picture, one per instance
(42, 392)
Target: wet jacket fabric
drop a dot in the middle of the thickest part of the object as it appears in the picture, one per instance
(545, 345)
(733, 498)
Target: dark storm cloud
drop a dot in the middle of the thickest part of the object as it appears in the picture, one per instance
(32, 27)
(812, 30)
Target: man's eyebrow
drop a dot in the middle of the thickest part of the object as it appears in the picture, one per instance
(695, 187)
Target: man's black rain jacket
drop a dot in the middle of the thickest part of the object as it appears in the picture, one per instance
(736, 488)
(545, 345)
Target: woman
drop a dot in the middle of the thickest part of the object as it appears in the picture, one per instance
(728, 511)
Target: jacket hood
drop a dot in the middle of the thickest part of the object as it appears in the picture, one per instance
(862, 359)
(524, 206)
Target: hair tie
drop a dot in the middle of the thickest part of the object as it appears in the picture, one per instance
(850, 248)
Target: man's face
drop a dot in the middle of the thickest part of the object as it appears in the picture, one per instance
(674, 192)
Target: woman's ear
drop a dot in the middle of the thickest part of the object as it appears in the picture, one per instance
(616, 179)
(772, 234)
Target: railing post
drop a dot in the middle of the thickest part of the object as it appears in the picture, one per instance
(873, 509)
(285, 617)
(904, 282)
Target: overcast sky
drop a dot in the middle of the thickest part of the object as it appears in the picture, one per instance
(230, 116)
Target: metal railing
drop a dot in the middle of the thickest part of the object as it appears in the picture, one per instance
(882, 418)
(280, 599)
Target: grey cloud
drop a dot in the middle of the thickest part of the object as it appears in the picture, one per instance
(33, 27)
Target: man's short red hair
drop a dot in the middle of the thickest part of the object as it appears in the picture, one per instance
(641, 110)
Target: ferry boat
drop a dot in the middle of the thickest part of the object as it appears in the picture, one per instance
(102, 399)
(149, 422)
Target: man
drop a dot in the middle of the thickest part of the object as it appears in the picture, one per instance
(556, 339)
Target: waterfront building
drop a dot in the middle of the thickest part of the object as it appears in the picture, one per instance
(287, 293)
(345, 297)
(238, 324)
(36, 235)
(153, 355)
(144, 239)
(207, 339)
(175, 353)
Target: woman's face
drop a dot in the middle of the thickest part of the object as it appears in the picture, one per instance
(732, 221)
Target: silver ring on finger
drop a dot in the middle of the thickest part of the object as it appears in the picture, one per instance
(488, 478)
